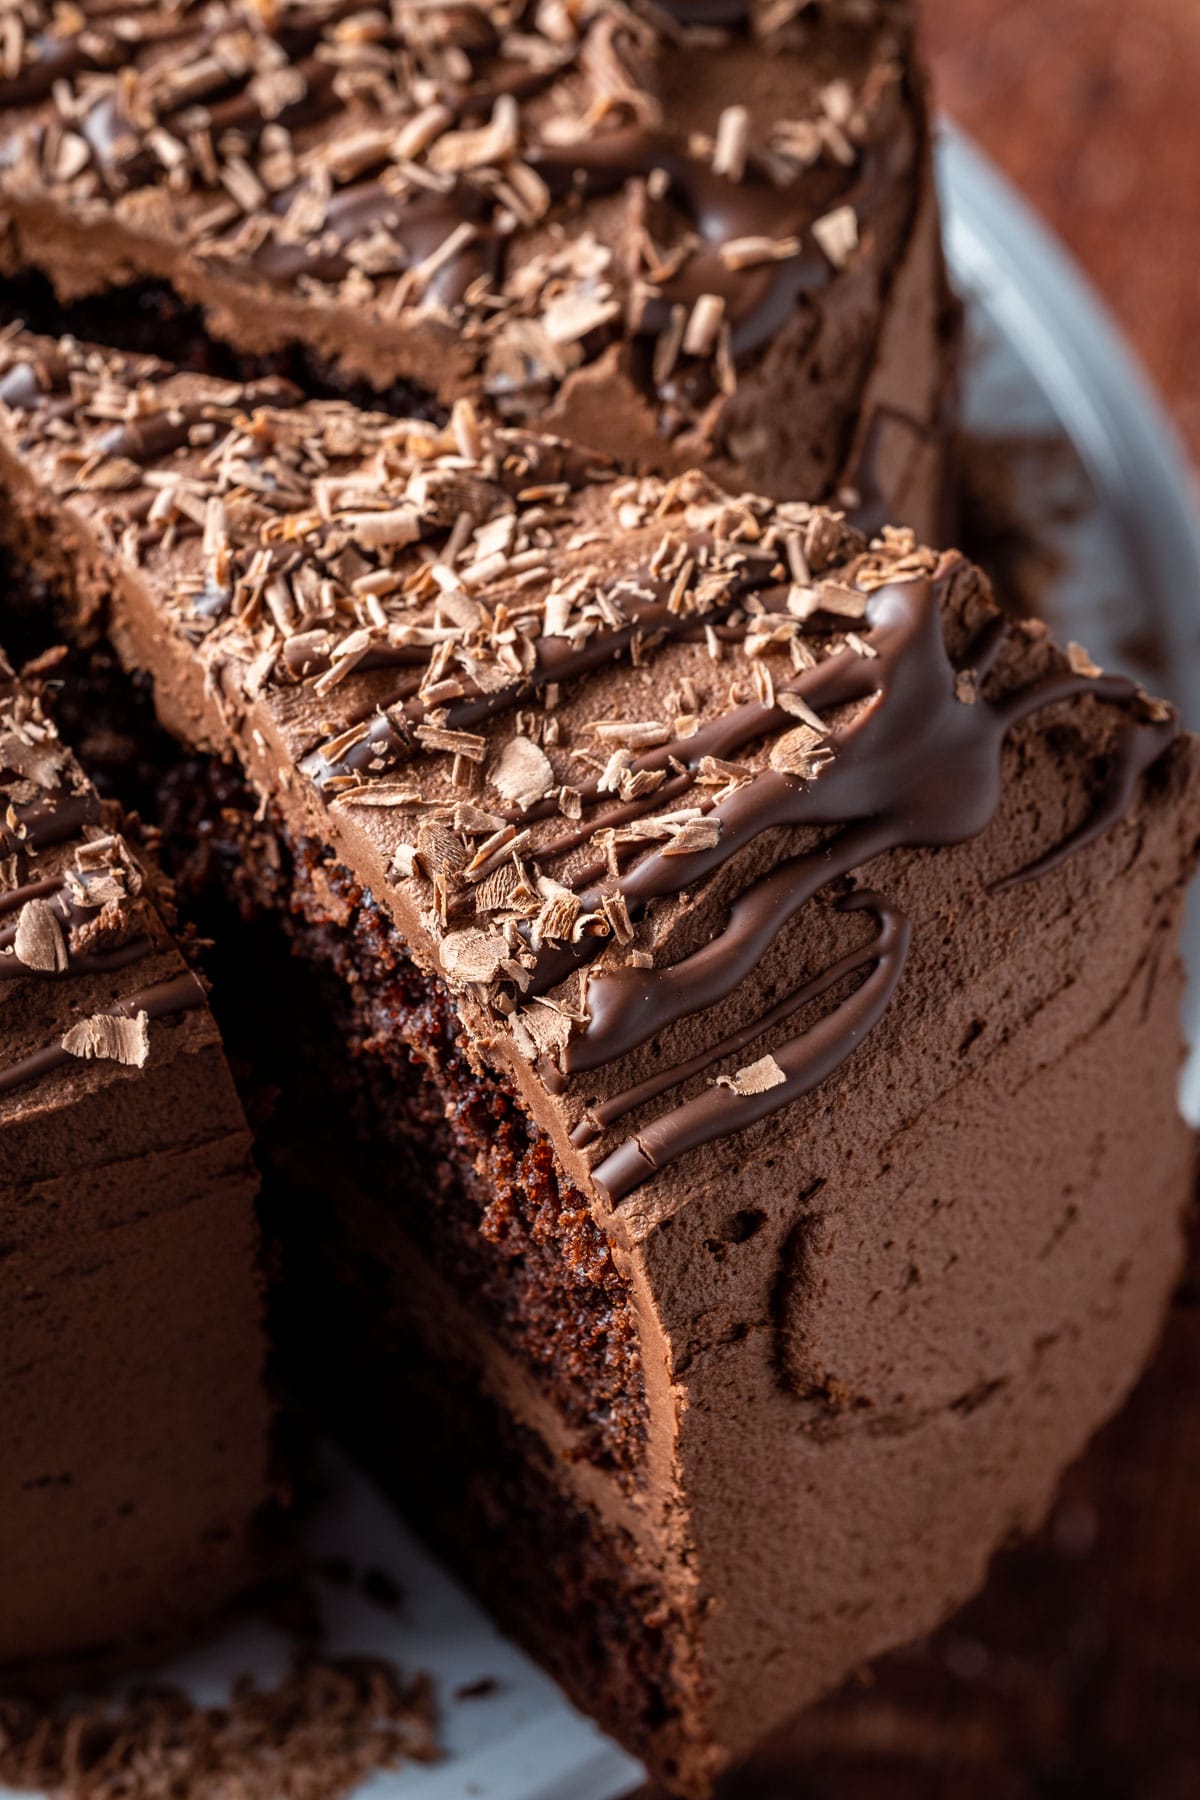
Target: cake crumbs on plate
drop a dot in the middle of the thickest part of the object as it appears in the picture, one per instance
(327, 1725)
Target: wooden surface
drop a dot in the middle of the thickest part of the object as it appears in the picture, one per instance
(1093, 108)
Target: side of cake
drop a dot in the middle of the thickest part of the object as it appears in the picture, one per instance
(684, 236)
(735, 943)
(136, 1422)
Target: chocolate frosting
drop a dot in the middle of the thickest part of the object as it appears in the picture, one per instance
(183, 993)
(89, 893)
(497, 202)
(903, 740)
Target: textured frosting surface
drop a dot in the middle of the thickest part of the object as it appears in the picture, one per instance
(85, 962)
(603, 214)
(580, 724)
(131, 1346)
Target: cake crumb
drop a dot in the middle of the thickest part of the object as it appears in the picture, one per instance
(325, 1727)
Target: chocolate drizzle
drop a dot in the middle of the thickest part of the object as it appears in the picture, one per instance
(70, 913)
(642, 597)
(917, 764)
(758, 300)
(420, 226)
(804, 1061)
(182, 993)
(41, 823)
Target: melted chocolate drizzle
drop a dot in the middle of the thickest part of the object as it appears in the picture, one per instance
(758, 300)
(182, 993)
(916, 765)
(228, 106)
(41, 823)
(69, 913)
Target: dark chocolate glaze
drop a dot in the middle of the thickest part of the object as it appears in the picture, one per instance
(915, 765)
(69, 913)
(758, 300)
(182, 993)
(51, 821)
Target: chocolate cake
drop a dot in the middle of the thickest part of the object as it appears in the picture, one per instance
(724, 1008)
(682, 234)
(135, 1460)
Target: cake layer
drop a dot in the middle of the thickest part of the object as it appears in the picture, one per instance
(818, 919)
(448, 1151)
(136, 1455)
(676, 237)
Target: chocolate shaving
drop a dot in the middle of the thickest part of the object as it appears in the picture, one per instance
(756, 1078)
(110, 1037)
(39, 942)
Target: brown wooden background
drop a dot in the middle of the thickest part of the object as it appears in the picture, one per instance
(1093, 107)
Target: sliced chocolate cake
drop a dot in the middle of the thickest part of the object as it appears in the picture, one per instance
(729, 1025)
(685, 235)
(135, 1418)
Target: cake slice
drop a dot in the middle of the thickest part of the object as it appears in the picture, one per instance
(726, 1008)
(136, 1421)
(684, 235)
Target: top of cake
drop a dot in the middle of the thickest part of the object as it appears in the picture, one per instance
(598, 743)
(521, 188)
(87, 965)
